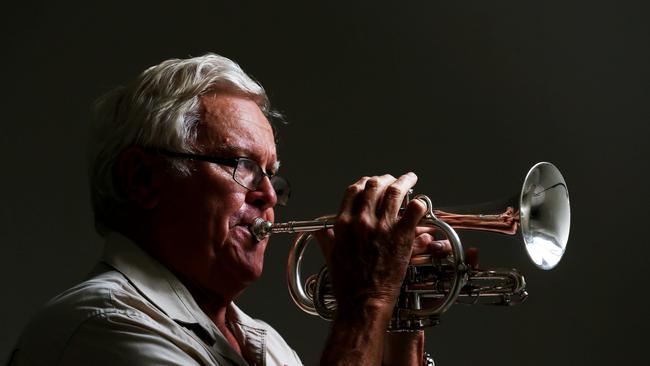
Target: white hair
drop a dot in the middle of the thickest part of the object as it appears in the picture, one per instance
(160, 109)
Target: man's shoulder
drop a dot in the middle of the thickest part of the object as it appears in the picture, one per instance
(106, 292)
(97, 294)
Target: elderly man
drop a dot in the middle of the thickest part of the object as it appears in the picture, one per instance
(185, 161)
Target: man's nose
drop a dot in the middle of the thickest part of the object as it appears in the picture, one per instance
(264, 196)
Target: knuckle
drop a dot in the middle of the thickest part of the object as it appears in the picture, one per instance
(426, 238)
(353, 188)
(389, 177)
(357, 186)
(344, 219)
(372, 183)
(362, 181)
(393, 192)
(365, 223)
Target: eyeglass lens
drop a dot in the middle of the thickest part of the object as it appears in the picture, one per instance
(249, 175)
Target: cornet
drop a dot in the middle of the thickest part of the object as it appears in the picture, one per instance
(541, 212)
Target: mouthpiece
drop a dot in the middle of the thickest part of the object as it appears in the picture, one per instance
(260, 228)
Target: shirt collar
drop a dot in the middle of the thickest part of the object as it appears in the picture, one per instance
(155, 282)
(249, 332)
(236, 315)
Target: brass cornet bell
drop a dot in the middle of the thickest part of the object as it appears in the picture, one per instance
(540, 211)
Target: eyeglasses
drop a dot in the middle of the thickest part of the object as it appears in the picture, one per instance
(247, 173)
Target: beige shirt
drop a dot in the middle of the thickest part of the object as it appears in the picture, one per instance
(133, 311)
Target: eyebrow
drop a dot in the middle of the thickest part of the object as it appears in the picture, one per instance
(224, 149)
(276, 166)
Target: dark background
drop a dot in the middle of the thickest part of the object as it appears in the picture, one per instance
(468, 94)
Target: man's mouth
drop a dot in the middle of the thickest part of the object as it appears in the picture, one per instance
(245, 228)
(247, 222)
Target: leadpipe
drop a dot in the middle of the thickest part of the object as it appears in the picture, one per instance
(506, 223)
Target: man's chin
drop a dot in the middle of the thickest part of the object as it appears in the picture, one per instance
(252, 274)
(255, 260)
(237, 280)
(249, 269)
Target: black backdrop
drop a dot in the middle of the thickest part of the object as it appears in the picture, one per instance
(468, 94)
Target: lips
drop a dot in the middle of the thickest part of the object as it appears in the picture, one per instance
(243, 227)
(248, 218)
(245, 219)
(247, 223)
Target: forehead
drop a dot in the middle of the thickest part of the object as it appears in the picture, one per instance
(235, 125)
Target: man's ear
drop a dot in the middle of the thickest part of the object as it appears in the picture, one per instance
(134, 176)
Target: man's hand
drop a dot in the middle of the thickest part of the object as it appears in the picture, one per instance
(371, 244)
(367, 254)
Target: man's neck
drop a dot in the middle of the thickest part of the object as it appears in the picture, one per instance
(214, 305)
(216, 308)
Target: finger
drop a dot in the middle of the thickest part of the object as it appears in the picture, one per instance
(395, 193)
(422, 244)
(405, 227)
(441, 248)
(471, 257)
(351, 194)
(415, 211)
(426, 230)
(374, 190)
(427, 244)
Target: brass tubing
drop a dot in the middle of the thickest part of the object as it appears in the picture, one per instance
(505, 223)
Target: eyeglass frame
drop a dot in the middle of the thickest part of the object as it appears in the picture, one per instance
(232, 162)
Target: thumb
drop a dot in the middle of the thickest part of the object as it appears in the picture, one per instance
(414, 212)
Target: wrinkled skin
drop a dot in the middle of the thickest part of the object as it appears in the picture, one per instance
(197, 225)
(371, 244)
(367, 253)
(212, 247)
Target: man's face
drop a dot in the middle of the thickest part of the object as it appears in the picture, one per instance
(204, 218)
